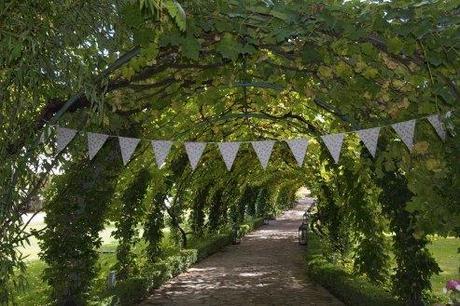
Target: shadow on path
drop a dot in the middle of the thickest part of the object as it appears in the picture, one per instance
(267, 268)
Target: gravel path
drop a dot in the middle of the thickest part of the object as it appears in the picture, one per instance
(267, 268)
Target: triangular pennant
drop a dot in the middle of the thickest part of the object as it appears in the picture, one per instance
(229, 150)
(161, 149)
(95, 143)
(63, 137)
(436, 122)
(298, 148)
(405, 131)
(194, 151)
(127, 146)
(263, 150)
(370, 139)
(333, 143)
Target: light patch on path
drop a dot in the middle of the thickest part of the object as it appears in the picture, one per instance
(267, 268)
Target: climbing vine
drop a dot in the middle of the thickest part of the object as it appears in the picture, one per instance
(223, 71)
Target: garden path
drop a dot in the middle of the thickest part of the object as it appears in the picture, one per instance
(267, 268)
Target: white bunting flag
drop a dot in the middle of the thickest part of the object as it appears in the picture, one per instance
(229, 150)
(436, 122)
(298, 148)
(405, 131)
(194, 151)
(333, 143)
(161, 150)
(63, 137)
(95, 143)
(127, 146)
(263, 150)
(370, 139)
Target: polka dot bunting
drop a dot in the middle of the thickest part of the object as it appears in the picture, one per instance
(95, 143)
(405, 131)
(370, 139)
(299, 149)
(263, 151)
(161, 150)
(194, 151)
(63, 137)
(333, 143)
(127, 147)
(437, 124)
(229, 150)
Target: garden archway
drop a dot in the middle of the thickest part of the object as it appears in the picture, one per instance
(249, 71)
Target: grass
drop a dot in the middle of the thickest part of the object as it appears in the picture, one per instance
(445, 251)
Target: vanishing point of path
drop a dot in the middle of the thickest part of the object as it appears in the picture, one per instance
(267, 268)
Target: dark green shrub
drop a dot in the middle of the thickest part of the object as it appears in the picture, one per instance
(198, 210)
(262, 203)
(154, 223)
(127, 219)
(217, 212)
(351, 290)
(130, 291)
(415, 264)
(75, 210)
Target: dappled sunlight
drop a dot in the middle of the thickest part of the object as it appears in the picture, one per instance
(265, 269)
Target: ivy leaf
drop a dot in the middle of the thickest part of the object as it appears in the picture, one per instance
(191, 47)
(229, 47)
(435, 59)
(176, 12)
(395, 45)
(310, 55)
(325, 72)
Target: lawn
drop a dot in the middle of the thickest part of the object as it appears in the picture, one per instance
(445, 250)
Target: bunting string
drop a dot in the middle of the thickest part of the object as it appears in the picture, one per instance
(263, 148)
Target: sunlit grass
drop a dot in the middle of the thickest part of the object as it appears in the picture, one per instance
(445, 251)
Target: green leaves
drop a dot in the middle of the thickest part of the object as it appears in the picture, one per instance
(176, 11)
(229, 47)
(191, 47)
(394, 44)
(310, 55)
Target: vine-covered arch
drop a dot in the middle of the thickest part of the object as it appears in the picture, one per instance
(243, 70)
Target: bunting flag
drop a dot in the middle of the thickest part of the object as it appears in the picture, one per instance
(95, 143)
(370, 139)
(161, 150)
(63, 137)
(127, 146)
(299, 149)
(263, 150)
(333, 143)
(194, 151)
(229, 150)
(405, 131)
(437, 124)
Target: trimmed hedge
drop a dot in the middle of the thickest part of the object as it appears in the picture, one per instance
(133, 290)
(210, 246)
(351, 290)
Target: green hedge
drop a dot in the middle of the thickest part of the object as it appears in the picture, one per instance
(210, 246)
(351, 290)
(133, 290)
